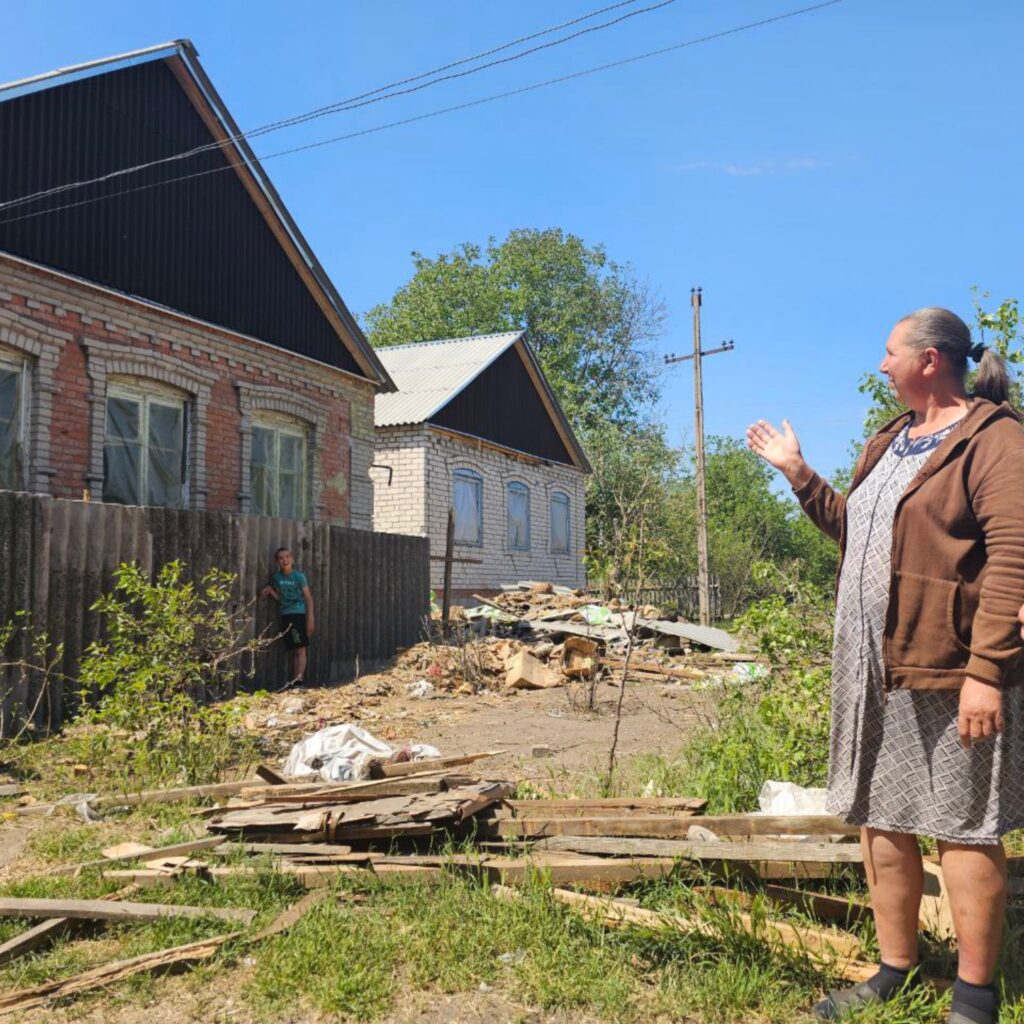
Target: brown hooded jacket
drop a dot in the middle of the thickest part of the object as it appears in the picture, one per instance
(957, 579)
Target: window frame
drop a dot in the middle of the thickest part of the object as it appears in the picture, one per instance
(21, 367)
(467, 474)
(278, 426)
(562, 499)
(145, 394)
(517, 487)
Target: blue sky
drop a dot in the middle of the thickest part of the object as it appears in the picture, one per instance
(818, 177)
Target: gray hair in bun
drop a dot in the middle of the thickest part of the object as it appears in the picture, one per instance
(941, 329)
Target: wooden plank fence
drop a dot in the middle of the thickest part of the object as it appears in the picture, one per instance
(371, 590)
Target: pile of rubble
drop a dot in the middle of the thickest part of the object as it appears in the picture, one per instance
(538, 635)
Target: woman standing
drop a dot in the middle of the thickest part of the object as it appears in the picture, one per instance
(927, 703)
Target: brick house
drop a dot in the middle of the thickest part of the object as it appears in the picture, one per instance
(167, 337)
(474, 425)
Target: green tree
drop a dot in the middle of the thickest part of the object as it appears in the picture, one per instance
(629, 500)
(589, 320)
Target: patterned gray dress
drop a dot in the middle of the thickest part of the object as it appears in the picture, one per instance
(895, 761)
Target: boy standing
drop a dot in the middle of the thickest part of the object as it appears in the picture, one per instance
(290, 589)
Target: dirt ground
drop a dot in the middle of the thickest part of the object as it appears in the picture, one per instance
(656, 718)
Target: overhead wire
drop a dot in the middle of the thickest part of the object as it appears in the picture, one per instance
(378, 95)
(748, 26)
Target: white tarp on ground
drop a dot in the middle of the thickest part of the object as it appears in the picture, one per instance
(342, 753)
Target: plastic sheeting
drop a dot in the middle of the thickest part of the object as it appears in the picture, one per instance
(342, 753)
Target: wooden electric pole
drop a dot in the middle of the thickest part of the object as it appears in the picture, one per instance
(703, 573)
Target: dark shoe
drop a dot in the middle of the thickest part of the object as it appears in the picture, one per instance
(841, 1001)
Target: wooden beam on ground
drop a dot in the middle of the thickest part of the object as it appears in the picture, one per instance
(431, 764)
(285, 849)
(51, 929)
(291, 916)
(655, 668)
(160, 796)
(150, 854)
(433, 781)
(269, 775)
(587, 874)
(9, 790)
(104, 910)
(666, 825)
(753, 852)
(99, 977)
(609, 807)
(814, 942)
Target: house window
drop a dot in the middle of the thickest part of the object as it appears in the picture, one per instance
(468, 499)
(144, 449)
(278, 470)
(12, 424)
(559, 523)
(518, 502)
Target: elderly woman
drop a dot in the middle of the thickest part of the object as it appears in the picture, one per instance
(927, 706)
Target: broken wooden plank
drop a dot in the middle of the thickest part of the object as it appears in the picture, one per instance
(9, 790)
(583, 873)
(667, 825)
(269, 775)
(849, 911)
(754, 852)
(153, 853)
(279, 849)
(936, 912)
(158, 796)
(605, 807)
(291, 916)
(655, 668)
(102, 910)
(433, 781)
(98, 977)
(431, 764)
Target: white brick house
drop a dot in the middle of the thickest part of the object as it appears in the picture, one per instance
(475, 426)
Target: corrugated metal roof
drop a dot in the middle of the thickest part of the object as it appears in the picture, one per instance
(429, 374)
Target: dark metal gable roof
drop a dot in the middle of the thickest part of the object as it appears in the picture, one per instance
(218, 246)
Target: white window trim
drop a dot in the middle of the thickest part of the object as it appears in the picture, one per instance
(518, 485)
(468, 473)
(144, 393)
(560, 498)
(282, 424)
(23, 368)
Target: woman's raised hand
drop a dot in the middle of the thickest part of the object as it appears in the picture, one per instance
(779, 450)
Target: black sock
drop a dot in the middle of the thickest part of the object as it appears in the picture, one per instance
(889, 980)
(976, 1002)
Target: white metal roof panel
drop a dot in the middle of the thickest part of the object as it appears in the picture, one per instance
(429, 374)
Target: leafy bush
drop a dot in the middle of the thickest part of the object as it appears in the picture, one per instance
(776, 727)
(170, 646)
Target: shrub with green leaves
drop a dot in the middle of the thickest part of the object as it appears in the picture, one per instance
(170, 645)
(777, 726)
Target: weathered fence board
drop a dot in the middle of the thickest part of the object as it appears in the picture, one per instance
(370, 591)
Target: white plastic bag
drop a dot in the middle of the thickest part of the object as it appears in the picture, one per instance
(342, 753)
(789, 798)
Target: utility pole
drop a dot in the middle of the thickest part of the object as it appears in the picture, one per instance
(703, 576)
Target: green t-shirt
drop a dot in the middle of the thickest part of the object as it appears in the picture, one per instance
(289, 588)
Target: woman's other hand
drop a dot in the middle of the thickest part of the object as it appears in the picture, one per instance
(1020, 615)
(781, 450)
(981, 712)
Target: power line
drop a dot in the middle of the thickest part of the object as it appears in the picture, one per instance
(449, 110)
(378, 95)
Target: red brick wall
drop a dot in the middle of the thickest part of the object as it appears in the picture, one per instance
(90, 327)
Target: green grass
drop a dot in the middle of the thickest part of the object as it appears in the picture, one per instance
(367, 945)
